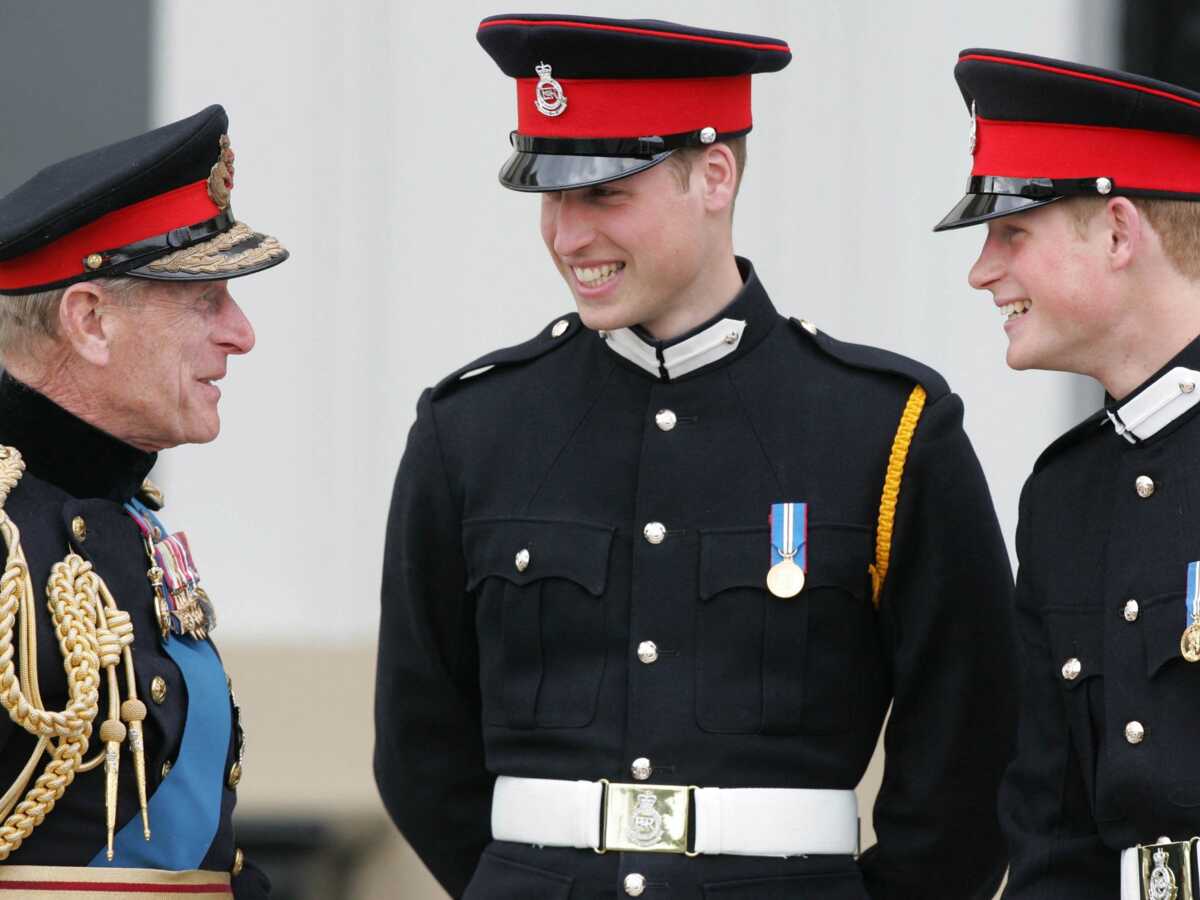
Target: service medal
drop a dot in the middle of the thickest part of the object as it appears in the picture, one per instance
(1189, 642)
(785, 579)
(789, 550)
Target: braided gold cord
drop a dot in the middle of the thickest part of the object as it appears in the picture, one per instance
(88, 645)
(891, 490)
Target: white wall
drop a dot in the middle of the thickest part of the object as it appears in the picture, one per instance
(368, 137)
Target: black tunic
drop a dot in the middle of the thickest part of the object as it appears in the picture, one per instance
(1079, 791)
(73, 469)
(484, 670)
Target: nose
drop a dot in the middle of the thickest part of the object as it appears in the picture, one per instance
(234, 332)
(572, 225)
(988, 267)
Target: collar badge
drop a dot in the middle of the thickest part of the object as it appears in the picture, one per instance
(548, 96)
(220, 179)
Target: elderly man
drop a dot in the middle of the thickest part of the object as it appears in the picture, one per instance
(117, 323)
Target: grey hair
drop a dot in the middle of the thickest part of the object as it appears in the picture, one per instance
(28, 319)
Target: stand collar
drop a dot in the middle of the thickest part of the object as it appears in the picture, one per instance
(1168, 395)
(730, 334)
(66, 451)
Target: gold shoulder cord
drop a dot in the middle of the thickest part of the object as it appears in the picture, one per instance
(891, 490)
(93, 635)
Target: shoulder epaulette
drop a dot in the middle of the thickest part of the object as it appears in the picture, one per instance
(553, 336)
(876, 360)
(1083, 429)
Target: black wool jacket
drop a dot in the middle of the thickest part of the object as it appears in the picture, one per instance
(485, 670)
(73, 470)
(1100, 612)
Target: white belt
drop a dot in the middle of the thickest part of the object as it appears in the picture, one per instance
(601, 816)
(1157, 867)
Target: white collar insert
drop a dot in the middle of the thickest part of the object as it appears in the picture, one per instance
(713, 343)
(1158, 405)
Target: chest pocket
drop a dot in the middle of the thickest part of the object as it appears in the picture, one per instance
(540, 618)
(784, 666)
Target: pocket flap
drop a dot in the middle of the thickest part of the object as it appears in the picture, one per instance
(576, 551)
(838, 556)
(1163, 620)
(1076, 634)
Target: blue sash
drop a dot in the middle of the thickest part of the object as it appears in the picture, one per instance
(185, 811)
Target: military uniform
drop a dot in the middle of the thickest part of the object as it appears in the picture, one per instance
(1106, 750)
(124, 771)
(574, 589)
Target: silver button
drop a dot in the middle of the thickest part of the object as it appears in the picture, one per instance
(708, 134)
(1186, 387)
(665, 419)
(1104, 185)
(560, 328)
(1131, 610)
(522, 560)
(603, 334)
(1135, 733)
(641, 768)
(1144, 486)
(808, 326)
(1071, 669)
(648, 652)
(731, 338)
(635, 884)
(655, 532)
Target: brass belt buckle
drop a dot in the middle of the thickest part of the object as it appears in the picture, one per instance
(1166, 870)
(645, 818)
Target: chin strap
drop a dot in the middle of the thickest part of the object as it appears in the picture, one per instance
(891, 491)
(93, 637)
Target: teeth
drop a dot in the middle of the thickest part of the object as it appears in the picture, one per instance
(1020, 307)
(592, 276)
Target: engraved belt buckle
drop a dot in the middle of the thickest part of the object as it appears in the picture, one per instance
(1166, 870)
(645, 818)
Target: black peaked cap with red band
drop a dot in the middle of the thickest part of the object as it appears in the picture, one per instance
(600, 99)
(1044, 129)
(154, 206)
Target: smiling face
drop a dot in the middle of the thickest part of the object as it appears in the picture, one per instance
(169, 344)
(1049, 280)
(636, 251)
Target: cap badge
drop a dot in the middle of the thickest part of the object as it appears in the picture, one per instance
(548, 96)
(220, 179)
(973, 140)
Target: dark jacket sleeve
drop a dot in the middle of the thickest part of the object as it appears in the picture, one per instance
(428, 741)
(945, 617)
(251, 883)
(1056, 851)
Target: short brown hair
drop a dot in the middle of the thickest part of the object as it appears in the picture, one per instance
(1176, 222)
(681, 160)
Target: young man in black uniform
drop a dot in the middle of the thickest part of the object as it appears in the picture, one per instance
(115, 321)
(648, 588)
(1088, 181)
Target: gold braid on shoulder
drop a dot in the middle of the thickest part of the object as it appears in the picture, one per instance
(891, 490)
(94, 637)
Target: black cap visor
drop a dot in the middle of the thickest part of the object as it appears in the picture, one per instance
(539, 172)
(991, 196)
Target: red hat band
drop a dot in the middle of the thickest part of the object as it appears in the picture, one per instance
(1133, 159)
(631, 107)
(67, 257)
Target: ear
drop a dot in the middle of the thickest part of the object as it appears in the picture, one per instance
(719, 171)
(83, 324)
(1124, 226)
